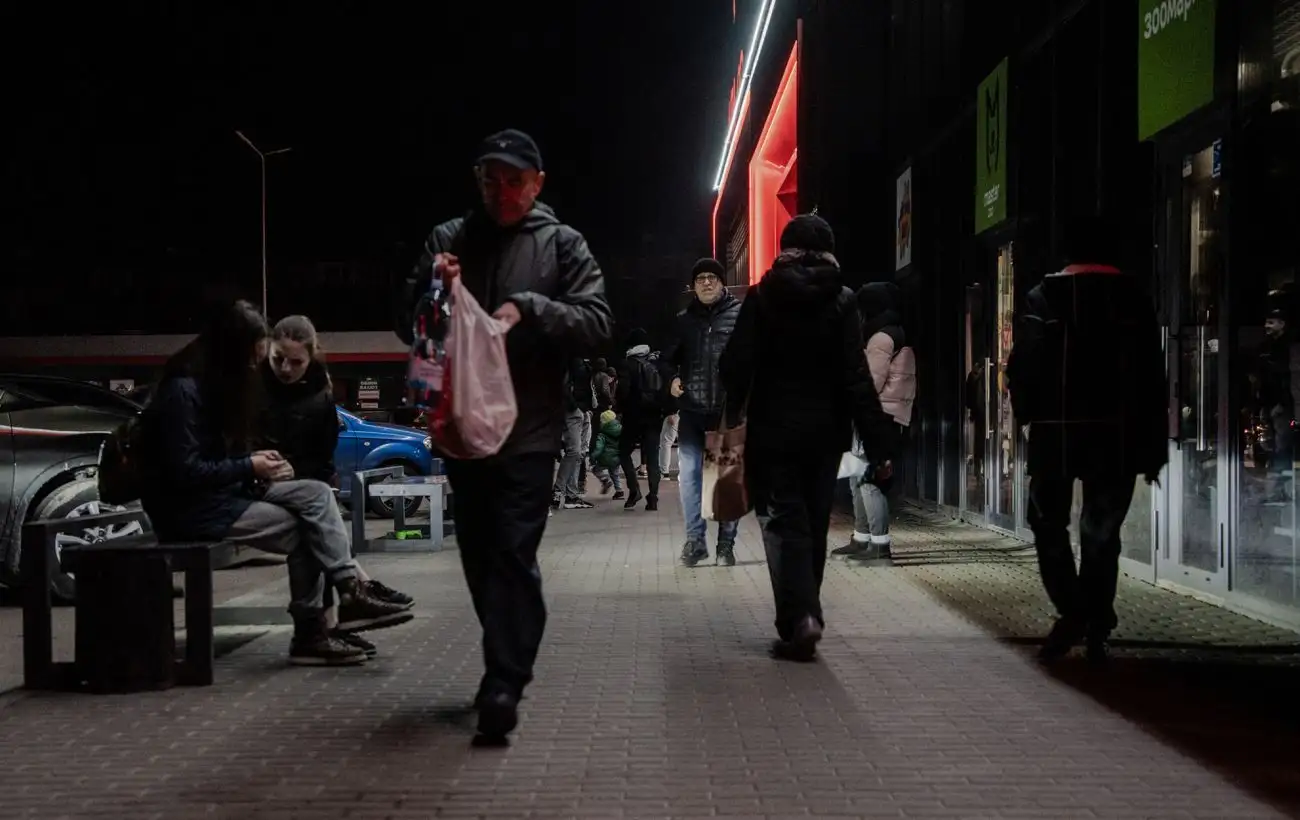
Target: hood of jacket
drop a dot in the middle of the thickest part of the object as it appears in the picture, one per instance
(877, 302)
(612, 428)
(800, 282)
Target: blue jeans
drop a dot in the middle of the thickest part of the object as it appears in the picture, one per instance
(690, 463)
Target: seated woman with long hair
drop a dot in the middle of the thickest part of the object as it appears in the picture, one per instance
(299, 421)
(202, 481)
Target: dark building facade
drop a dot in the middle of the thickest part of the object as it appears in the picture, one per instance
(950, 143)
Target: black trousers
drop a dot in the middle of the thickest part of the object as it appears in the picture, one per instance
(1088, 593)
(643, 435)
(792, 497)
(501, 511)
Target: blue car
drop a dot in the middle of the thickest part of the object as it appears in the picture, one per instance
(366, 445)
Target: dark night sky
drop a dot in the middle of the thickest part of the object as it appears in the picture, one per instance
(126, 158)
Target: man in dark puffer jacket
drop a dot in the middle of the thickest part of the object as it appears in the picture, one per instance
(703, 329)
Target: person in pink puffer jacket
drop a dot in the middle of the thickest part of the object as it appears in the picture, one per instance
(893, 370)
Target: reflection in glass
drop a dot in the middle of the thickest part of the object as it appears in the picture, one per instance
(1005, 433)
(1136, 535)
(975, 399)
(1198, 392)
(1266, 371)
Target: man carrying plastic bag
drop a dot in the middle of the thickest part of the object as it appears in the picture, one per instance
(538, 279)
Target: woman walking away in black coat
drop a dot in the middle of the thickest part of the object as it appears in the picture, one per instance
(300, 421)
(797, 353)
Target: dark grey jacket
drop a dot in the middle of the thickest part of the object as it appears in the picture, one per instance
(545, 268)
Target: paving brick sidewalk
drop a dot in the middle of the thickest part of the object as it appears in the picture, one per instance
(654, 698)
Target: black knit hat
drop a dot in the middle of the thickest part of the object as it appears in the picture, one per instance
(636, 337)
(808, 232)
(707, 265)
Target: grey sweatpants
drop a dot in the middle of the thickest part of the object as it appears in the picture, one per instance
(301, 520)
(870, 512)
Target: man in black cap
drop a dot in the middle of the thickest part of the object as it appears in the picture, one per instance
(703, 329)
(537, 275)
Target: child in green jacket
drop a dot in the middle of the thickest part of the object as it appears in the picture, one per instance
(604, 454)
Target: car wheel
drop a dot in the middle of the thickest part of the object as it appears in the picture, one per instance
(75, 500)
(384, 506)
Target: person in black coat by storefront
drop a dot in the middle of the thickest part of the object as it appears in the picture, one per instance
(1087, 374)
(798, 341)
(703, 329)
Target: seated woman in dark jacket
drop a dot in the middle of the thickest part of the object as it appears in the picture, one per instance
(201, 481)
(797, 354)
(298, 419)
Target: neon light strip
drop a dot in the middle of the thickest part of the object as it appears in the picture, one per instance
(755, 49)
(726, 172)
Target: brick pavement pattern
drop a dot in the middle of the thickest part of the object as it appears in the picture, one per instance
(654, 698)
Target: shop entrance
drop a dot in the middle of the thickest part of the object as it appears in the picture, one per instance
(994, 451)
(1196, 498)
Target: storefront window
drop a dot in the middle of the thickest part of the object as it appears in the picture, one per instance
(1266, 370)
(1198, 403)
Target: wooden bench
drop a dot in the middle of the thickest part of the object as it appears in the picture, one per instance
(125, 625)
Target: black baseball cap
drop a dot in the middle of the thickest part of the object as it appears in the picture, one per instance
(512, 147)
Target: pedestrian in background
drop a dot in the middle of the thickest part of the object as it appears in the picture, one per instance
(796, 358)
(702, 332)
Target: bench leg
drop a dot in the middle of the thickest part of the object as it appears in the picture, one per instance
(199, 650)
(38, 627)
(126, 637)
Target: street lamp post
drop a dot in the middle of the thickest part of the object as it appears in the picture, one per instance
(261, 156)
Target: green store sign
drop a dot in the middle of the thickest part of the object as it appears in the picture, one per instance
(991, 150)
(1175, 61)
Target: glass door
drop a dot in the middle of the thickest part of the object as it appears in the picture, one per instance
(976, 400)
(1004, 433)
(1195, 554)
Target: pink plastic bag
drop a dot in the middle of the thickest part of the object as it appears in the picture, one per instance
(476, 411)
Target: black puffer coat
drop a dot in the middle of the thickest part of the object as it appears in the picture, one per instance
(799, 340)
(693, 355)
(300, 421)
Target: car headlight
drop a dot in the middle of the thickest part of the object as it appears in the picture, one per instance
(428, 442)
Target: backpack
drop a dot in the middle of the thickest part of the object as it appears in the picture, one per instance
(650, 384)
(119, 464)
(583, 387)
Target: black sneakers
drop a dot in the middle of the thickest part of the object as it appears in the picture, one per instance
(574, 503)
(320, 649)
(498, 715)
(693, 552)
(851, 548)
(726, 554)
(361, 610)
(392, 596)
(356, 642)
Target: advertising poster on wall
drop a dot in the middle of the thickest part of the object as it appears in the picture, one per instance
(991, 150)
(1175, 61)
(368, 394)
(903, 221)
